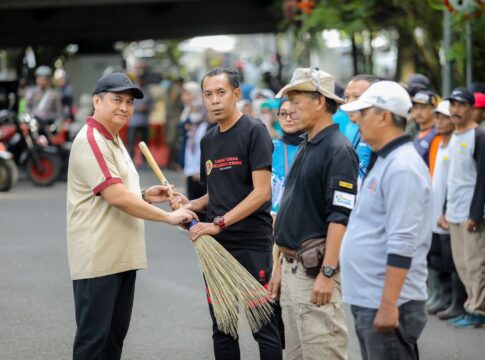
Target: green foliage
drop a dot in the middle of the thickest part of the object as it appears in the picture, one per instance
(352, 17)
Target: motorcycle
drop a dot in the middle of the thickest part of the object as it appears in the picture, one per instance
(8, 169)
(31, 151)
(56, 133)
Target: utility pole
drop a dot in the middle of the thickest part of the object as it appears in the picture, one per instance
(469, 54)
(446, 74)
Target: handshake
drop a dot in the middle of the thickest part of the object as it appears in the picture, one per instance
(183, 210)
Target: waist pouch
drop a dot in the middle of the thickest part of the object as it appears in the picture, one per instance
(310, 254)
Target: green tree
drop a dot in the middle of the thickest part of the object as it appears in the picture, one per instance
(418, 25)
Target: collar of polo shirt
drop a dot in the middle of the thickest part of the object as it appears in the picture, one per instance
(317, 138)
(393, 145)
(98, 126)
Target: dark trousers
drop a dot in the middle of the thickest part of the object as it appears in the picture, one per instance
(399, 344)
(439, 255)
(259, 264)
(103, 310)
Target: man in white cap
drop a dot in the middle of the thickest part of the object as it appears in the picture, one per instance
(451, 290)
(318, 198)
(383, 256)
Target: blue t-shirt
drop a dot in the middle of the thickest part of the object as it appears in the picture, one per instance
(347, 127)
(278, 171)
(352, 133)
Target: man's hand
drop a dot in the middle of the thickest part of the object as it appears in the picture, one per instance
(471, 225)
(387, 318)
(322, 290)
(274, 285)
(442, 223)
(203, 228)
(181, 216)
(157, 193)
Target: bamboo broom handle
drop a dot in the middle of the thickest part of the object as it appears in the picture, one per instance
(155, 168)
(159, 174)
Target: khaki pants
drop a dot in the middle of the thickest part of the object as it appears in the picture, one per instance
(311, 332)
(468, 249)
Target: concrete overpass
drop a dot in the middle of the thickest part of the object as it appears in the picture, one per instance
(96, 24)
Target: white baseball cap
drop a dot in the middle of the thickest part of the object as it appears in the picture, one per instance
(443, 108)
(387, 95)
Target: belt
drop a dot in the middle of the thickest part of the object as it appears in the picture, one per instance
(288, 254)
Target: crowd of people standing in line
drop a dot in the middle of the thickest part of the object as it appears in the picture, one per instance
(373, 197)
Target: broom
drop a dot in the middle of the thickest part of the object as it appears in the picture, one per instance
(229, 284)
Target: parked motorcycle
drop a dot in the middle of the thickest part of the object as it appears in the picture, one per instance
(31, 151)
(57, 135)
(8, 169)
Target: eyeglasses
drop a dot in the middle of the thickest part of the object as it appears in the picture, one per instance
(284, 114)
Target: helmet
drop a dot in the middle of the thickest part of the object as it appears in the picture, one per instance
(43, 71)
(60, 74)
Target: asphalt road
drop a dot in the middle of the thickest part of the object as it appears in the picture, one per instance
(170, 317)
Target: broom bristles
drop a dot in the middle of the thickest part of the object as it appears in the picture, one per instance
(230, 287)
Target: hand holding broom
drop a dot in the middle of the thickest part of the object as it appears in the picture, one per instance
(228, 282)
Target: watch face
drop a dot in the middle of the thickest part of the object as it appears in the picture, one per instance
(328, 271)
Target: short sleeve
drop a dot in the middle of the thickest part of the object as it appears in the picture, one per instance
(96, 165)
(477, 206)
(260, 148)
(342, 187)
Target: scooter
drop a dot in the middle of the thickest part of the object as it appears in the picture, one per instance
(31, 151)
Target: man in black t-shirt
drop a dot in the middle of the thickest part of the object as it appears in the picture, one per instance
(236, 160)
(319, 195)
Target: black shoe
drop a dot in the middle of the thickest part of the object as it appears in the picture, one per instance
(442, 304)
(458, 299)
(444, 296)
(451, 312)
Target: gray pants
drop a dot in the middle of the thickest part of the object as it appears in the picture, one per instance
(400, 344)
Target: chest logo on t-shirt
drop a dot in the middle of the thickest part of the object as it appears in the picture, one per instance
(208, 167)
(222, 164)
(372, 186)
(463, 149)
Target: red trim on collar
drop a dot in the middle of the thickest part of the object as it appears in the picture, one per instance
(92, 122)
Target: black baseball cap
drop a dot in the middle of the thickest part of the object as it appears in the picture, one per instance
(417, 82)
(117, 82)
(463, 95)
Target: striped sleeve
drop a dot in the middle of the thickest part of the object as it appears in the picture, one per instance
(101, 170)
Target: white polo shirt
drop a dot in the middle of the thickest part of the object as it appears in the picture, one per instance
(101, 239)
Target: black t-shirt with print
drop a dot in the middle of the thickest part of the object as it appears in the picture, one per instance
(227, 162)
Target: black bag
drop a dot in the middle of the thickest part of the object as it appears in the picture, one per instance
(310, 254)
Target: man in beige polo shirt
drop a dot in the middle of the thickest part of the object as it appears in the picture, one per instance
(105, 229)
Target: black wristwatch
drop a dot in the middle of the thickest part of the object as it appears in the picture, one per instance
(144, 197)
(328, 271)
